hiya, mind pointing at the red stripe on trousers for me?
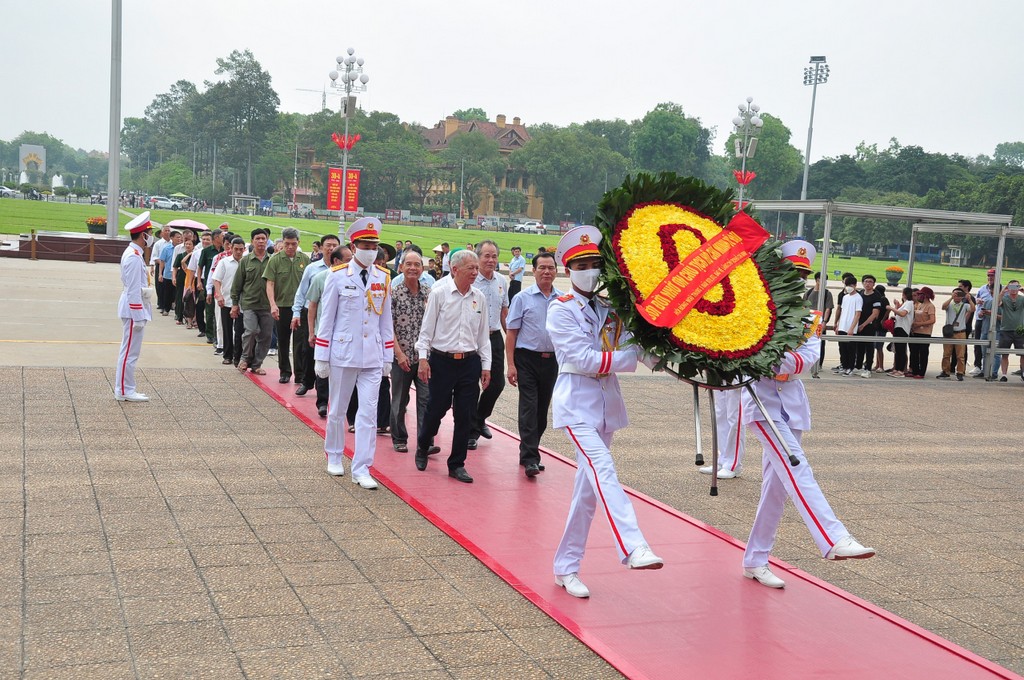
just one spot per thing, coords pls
(739, 434)
(785, 464)
(597, 482)
(124, 364)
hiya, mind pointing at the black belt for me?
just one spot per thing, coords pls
(542, 355)
(458, 356)
(497, 331)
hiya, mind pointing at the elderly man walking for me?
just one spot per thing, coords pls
(249, 295)
(283, 274)
(454, 349)
(408, 303)
(494, 286)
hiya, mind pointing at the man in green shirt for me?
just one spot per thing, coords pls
(283, 274)
(249, 293)
(1011, 322)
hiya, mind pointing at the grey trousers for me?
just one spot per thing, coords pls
(401, 381)
(259, 326)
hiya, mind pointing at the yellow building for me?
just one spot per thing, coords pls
(510, 137)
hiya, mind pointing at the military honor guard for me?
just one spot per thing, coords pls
(590, 345)
(786, 402)
(135, 307)
(354, 346)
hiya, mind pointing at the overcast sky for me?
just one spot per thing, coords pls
(941, 74)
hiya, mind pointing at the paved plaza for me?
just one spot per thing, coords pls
(198, 535)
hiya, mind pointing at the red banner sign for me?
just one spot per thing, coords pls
(334, 189)
(702, 269)
(352, 190)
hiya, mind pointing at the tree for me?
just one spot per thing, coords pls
(511, 202)
(475, 113)
(1010, 153)
(866, 232)
(776, 162)
(617, 132)
(667, 139)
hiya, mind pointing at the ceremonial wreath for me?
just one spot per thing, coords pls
(703, 289)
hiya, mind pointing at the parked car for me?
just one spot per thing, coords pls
(530, 227)
(6, 192)
(164, 203)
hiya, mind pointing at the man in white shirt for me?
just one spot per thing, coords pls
(850, 305)
(222, 278)
(494, 286)
(446, 267)
(516, 268)
(454, 351)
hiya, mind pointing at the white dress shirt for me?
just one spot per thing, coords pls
(455, 323)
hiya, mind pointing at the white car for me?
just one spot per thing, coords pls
(6, 192)
(165, 203)
(531, 227)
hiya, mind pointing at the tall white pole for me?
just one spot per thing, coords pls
(807, 158)
(114, 161)
(295, 178)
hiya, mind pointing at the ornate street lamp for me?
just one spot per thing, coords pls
(350, 71)
(748, 124)
(814, 75)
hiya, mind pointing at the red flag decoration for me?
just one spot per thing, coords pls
(350, 197)
(334, 189)
(744, 177)
(344, 141)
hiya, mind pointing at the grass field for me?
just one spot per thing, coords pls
(19, 216)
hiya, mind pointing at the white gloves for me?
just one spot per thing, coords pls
(386, 371)
(322, 368)
(140, 324)
(649, 360)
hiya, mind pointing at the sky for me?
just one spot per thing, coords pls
(942, 75)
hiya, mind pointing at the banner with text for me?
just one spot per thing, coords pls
(352, 190)
(334, 189)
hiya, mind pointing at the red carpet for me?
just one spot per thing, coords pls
(696, 618)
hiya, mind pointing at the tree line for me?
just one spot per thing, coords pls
(229, 136)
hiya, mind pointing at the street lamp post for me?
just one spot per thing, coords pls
(813, 76)
(462, 185)
(747, 125)
(350, 70)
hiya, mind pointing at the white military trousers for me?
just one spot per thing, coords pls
(782, 480)
(729, 422)
(131, 346)
(367, 382)
(596, 487)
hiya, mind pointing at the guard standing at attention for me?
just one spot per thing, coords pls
(354, 346)
(591, 346)
(135, 307)
(786, 402)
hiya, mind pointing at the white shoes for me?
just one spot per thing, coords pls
(974, 371)
(365, 481)
(134, 396)
(864, 373)
(643, 558)
(849, 549)
(764, 576)
(335, 469)
(722, 472)
(573, 585)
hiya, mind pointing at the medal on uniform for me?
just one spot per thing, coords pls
(376, 290)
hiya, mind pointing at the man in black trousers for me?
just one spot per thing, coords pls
(454, 349)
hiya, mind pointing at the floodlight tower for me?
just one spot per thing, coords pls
(350, 70)
(814, 75)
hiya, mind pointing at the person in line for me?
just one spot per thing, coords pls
(516, 268)
(340, 255)
(355, 347)
(591, 347)
(904, 314)
(958, 313)
(924, 321)
(847, 322)
(532, 366)
(300, 323)
(408, 303)
(135, 307)
(223, 277)
(785, 401)
(249, 295)
(494, 286)
(454, 351)
(283, 274)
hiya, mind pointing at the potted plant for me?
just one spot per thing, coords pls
(893, 275)
(97, 225)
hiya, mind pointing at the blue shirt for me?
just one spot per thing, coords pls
(529, 314)
(167, 257)
(307, 277)
(517, 262)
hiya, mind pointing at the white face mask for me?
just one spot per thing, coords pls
(365, 257)
(585, 279)
(150, 240)
(850, 289)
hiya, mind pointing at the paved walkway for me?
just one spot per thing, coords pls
(198, 536)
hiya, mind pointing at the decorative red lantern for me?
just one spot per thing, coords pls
(345, 142)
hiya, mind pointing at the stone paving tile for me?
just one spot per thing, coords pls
(64, 648)
(198, 665)
(145, 611)
(313, 661)
(168, 640)
(115, 670)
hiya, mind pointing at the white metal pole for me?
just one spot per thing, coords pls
(807, 153)
(114, 161)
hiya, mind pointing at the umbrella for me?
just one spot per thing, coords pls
(187, 224)
(179, 195)
(831, 240)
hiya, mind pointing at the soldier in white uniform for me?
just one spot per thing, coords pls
(135, 307)
(729, 425)
(786, 402)
(590, 345)
(354, 346)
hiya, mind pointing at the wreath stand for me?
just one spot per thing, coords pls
(711, 389)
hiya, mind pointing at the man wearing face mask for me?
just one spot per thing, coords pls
(847, 319)
(591, 345)
(135, 307)
(354, 346)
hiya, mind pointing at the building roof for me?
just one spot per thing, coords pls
(510, 136)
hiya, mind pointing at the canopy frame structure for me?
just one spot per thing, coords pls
(925, 220)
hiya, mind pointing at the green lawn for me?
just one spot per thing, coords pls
(18, 216)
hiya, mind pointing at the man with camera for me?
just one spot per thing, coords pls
(958, 309)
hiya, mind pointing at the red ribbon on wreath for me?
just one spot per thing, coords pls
(344, 141)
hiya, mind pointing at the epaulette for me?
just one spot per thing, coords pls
(339, 267)
(565, 298)
(385, 270)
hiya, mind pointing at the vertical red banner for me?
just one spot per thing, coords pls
(352, 190)
(334, 189)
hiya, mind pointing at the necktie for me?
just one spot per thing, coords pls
(364, 275)
(593, 307)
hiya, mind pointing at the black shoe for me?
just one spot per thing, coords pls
(471, 445)
(960, 377)
(202, 334)
(1002, 378)
(461, 475)
(209, 341)
(421, 460)
(540, 466)
(284, 378)
(301, 390)
(219, 350)
(322, 411)
(431, 450)
(532, 470)
(485, 431)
